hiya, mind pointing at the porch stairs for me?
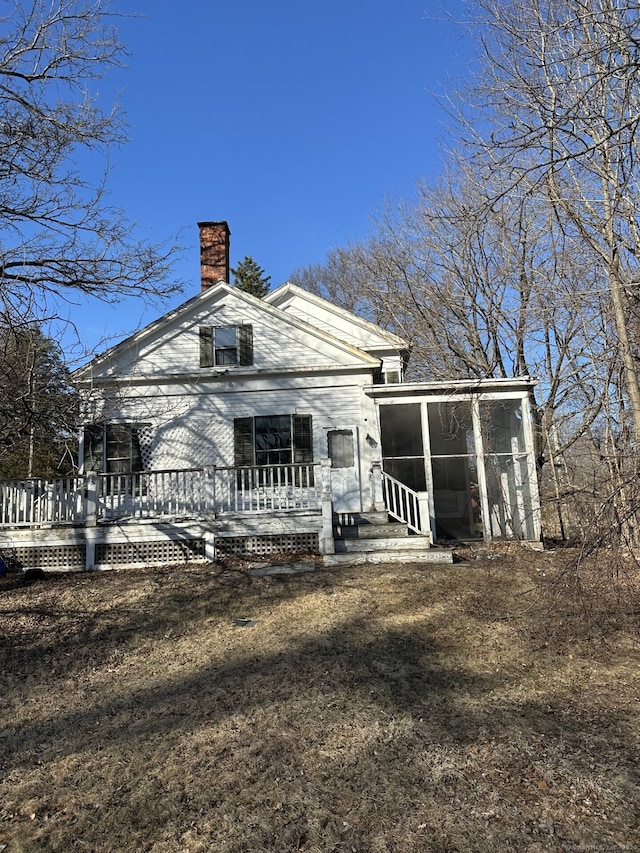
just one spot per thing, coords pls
(370, 537)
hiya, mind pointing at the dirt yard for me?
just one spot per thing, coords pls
(387, 708)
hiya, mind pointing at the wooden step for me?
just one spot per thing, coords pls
(382, 543)
(379, 556)
(371, 531)
(349, 519)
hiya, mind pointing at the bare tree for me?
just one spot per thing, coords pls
(489, 291)
(59, 236)
(557, 113)
(479, 292)
(525, 259)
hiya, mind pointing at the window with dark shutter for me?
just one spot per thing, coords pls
(243, 441)
(270, 441)
(303, 448)
(302, 439)
(114, 449)
(222, 346)
(243, 450)
(94, 447)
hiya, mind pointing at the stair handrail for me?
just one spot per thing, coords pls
(405, 504)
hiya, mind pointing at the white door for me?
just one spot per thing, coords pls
(343, 449)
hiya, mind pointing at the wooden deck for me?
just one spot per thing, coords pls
(175, 516)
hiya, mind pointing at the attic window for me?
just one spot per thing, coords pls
(222, 346)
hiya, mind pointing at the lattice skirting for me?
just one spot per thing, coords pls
(195, 546)
(63, 558)
(164, 552)
(288, 543)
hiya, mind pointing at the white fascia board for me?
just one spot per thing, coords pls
(517, 386)
(304, 387)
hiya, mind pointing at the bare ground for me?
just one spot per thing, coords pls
(381, 708)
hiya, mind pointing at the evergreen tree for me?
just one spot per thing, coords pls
(250, 277)
(38, 406)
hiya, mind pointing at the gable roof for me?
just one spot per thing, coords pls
(323, 314)
(123, 357)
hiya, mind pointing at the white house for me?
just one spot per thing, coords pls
(238, 425)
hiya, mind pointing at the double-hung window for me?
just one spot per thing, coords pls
(222, 346)
(274, 440)
(114, 449)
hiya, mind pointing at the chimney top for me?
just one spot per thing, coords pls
(214, 253)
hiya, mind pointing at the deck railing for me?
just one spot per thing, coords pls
(155, 494)
(36, 501)
(187, 493)
(405, 505)
(267, 488)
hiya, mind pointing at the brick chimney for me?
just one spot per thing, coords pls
(214, 253)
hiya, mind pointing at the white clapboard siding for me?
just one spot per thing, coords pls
(186, 413)
(198, 437)
(274, 349)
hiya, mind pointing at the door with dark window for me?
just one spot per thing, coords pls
(343, 452)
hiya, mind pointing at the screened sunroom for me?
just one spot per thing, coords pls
(470, 448)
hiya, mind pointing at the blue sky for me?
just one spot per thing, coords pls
(293, 121)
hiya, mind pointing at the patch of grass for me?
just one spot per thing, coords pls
(380, 708)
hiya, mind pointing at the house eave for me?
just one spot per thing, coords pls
(134, 341)
(223, 376)
(456, 387)
(289, 290)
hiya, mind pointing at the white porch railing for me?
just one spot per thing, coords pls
(268, 488)
(405, 505)
(155, 494)
(34, 502)
(206, 491)
(188, 493)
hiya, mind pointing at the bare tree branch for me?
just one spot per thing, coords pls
(59, 235)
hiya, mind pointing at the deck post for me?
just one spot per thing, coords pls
(425, 520)
(376, 486)
(91, 516)
(90, 521)
(89, 549)
(210, 496)
(209, 546)
(327, 543)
